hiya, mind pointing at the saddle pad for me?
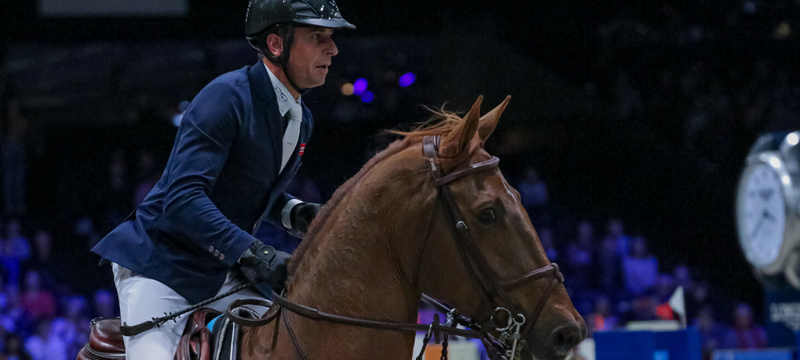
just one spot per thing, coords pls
(212, 322)
(226, 335)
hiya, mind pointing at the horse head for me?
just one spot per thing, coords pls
(506, 247)
(390, 234)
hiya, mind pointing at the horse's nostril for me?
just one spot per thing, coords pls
(567, 337)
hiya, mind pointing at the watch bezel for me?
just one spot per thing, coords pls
(774, 160)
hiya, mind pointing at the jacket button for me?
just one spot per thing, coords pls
(216, 253)
(210, 249)
(222, 256)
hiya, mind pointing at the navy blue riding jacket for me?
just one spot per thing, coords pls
(221, 181)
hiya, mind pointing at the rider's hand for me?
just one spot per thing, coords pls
(303, 214)
(265, 264)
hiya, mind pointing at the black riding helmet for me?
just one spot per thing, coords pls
(265, 17)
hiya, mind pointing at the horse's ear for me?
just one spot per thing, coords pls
(459, 138)
(489, 121)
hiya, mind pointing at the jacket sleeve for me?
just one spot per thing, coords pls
(274, 216)
(201, 148)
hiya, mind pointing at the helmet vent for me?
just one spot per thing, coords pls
(304, 9)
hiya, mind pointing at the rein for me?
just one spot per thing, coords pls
(483, 277)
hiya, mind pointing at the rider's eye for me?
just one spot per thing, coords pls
(487, 215)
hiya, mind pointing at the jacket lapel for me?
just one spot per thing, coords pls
(265, 105)
(295, 159)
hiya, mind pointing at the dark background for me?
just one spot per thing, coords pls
(557, 58)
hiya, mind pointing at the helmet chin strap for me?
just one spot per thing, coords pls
(294, 85)
(283, 59)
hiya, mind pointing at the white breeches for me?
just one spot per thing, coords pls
(141, 299)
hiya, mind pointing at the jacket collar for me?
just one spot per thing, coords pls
(282, 94)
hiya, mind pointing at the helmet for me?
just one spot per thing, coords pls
(265, 17)
(263, 14)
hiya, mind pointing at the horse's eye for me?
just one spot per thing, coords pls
(487, 216)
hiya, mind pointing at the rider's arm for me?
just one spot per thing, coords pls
(279, 215)
(201, 149)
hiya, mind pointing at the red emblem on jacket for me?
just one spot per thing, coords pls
(302, 149)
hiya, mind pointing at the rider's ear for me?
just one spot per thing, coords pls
(458, 139)
(275, 44)
(489, 121)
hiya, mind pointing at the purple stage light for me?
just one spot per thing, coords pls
(407, 79)
(359, 86)
(367, 96)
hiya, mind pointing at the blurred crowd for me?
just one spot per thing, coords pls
(614, 279)
(708, 106)
(611, 275)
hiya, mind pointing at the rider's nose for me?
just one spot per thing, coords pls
(567, 337)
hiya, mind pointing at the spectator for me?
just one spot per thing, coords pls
(616, 235)
(664, 287)
(7, 307)
(663, 290)
(113, 200)
(640, 268)
(711, 333)
(16, 245)
(696, 298)
(85, 231)
(13, 349)
(682, 277)
(745, 334)
(532, 190)
(534, 196)
(602, 316)
(546, 238)
(72, 329)
(46, 344)
(37, 302)
(14, 250)
(609, 262)
(580, 256)
(104, 304)
(42, 260)
(643, 308)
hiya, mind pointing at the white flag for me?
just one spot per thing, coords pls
(678, 305)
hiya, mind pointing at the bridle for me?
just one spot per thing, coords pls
(485, 280)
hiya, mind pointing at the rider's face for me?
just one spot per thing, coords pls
(312, 50)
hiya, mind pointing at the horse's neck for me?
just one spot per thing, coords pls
(358, 269)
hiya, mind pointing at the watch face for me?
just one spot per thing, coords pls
(761, 215)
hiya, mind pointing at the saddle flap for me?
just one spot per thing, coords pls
(195, 344)
(105, 336)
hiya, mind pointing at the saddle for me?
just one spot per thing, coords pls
(197, 342)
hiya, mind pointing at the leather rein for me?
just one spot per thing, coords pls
(486, 281)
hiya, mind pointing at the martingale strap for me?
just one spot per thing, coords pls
(316, 314)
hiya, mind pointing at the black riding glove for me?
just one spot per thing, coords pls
(262, 263)
(303, 214)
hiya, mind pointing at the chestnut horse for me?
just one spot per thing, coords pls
(385, 238)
